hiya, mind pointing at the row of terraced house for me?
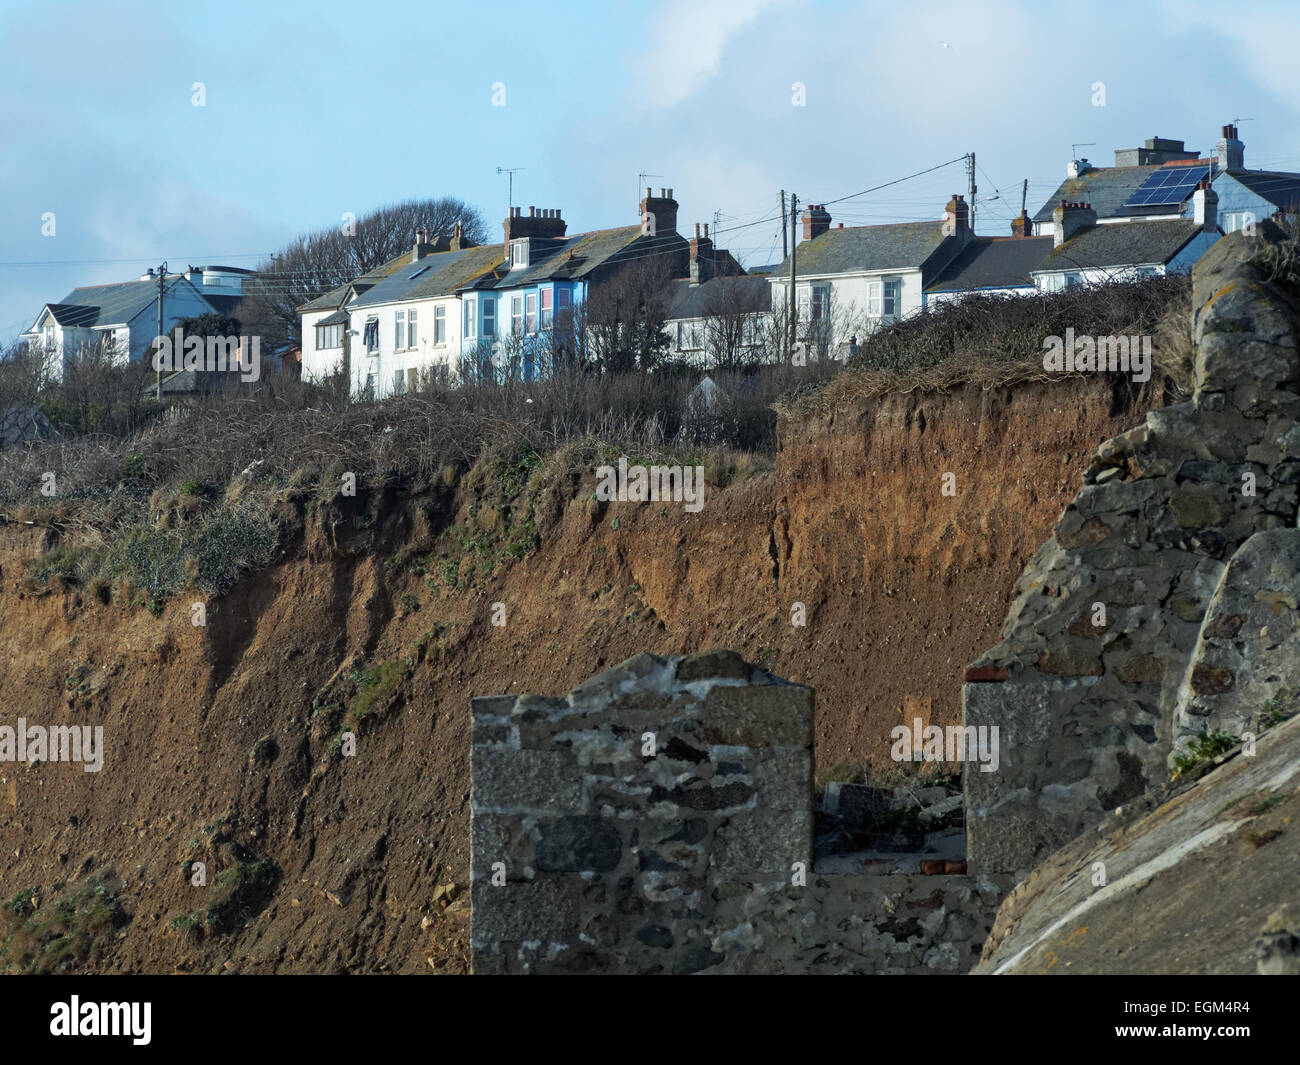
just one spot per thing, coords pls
(456, 309)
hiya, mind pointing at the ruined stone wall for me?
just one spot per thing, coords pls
(659, 820)
(1094, 684)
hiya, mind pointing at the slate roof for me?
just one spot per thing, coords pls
(102, 305)
(1103, 188)
(993, 262)
(333, 299)
(1121, 244)
(576, 257)
(1281, 189)
(72, 314)
(721, 295)
(890, 247)
(439, 274)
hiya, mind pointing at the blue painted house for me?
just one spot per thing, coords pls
(521, 318)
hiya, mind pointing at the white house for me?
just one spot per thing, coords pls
(1086, 252)
(411, 321)
(718, 313)
(120, 318)
(853, 281)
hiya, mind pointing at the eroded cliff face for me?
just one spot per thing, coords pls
(220, 741)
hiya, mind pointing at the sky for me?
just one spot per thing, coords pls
(314, 110)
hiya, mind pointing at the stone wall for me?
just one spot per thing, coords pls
(659, 819)
(1093, 686)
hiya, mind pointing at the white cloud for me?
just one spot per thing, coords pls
(687, 43)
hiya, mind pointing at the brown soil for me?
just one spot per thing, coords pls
(902, 586)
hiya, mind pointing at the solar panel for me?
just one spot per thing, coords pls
(1169, 185)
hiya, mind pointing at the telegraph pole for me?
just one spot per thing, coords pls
(970, 168)
(785, 244)
(793, 307)
(162, 287)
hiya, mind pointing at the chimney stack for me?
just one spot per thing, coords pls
(663, 208)
(1022, 225)
(1205, 207)
(702, 264)
(1232, 152)
(957, 213)
(544, 224)
(1068, 219)
(816, 221)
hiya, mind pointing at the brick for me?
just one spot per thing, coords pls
(985, 674)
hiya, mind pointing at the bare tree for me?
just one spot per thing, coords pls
(732, 328)
(627, 315)
(317, 262)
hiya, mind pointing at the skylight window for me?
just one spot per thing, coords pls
(412, 277)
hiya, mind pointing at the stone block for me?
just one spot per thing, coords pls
(525, 780)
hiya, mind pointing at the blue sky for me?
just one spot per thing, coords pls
(316, 109)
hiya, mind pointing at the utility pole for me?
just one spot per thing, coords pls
(162, 288)
(785, 244)
(793, 307)
(970, 173)
(1024, 195)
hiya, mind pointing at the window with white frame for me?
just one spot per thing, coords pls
(399, 382)
(329, 336)
(372, 382)
(803, 301)
(399, 331)
(440, 325)
(471, 319)
(1235, 220)
(489, 317)
(548, 315)
(518, 253)
(821, 302)
(412, 334)
(530, 314)
(873, 299)
(516, 314)
(372, 336)
(563, 300)
(891, 298)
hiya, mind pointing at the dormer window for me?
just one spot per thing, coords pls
(518, 253)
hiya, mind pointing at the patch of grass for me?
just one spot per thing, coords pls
(65, 933)
(374, 686)
(1202, 751)
(230, 545)
(241, 892)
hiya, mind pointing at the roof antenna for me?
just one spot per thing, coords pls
(512, 171)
